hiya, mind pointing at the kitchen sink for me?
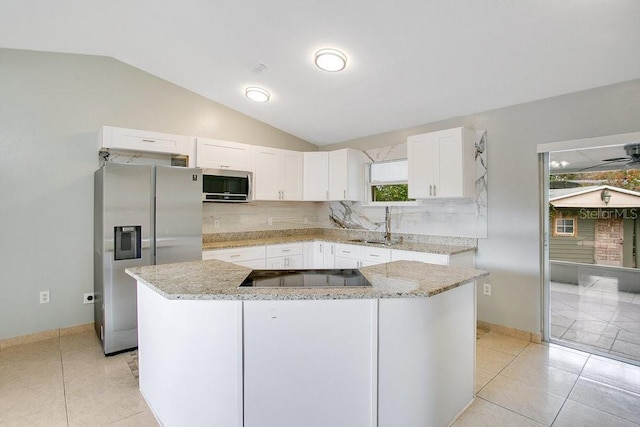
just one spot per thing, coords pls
(375, 242)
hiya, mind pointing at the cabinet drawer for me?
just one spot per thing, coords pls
(284, 250)
(376, 255)
(347, 251)
(236, 254)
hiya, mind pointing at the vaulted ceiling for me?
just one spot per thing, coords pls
(410, 62)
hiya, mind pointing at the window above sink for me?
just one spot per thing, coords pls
(387, 184)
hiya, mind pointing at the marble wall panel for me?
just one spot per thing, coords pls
(451, 217)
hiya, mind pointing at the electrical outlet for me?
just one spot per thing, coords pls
(88, 298)
(45, 297)
(270, 221)
(487, 289)
(216, 223)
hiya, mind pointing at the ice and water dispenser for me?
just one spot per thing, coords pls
(128, 242)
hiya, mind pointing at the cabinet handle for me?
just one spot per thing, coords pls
(327, 195)
(430, 190)
(320, 247)
(374, 255)
(345, 194)
(148, 140)
(234, 256)
(331, 249)
(286, 250)
(286, 262)
(224, 166)
(434, 190)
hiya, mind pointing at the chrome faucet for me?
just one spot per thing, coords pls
(387, 224)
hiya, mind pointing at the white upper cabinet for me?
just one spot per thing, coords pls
(316, 176)
(442, 164)
(217, 154)
(142, 140)
(278, 174)
(333, 175)
(346, 174)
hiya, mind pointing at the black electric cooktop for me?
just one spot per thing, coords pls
(334, 278)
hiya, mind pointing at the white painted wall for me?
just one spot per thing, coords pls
(51, 107)
(511, 252)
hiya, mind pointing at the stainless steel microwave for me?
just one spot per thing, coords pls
(220, 185)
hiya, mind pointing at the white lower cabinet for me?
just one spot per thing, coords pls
(354, 256)
(310, 363)
(426, 357)
(320, 254)
(463, 259)
(190, 357)
(285, 256)
(323, 255)
(249, 256)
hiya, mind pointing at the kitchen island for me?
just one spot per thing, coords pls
(401, 352)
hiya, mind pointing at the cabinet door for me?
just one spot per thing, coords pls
(423, 165)
(216, 154)
(328, 255)
(316, 176)
(343, 262)
(338, 175)
(285, 262)
(291, 178)
(266, 176)
(441, 164)
(310, 363)
(142, 140)
(457, 163)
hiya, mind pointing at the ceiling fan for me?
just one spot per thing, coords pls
(633, 159)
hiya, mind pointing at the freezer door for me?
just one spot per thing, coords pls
(123, 218)
(178, 213)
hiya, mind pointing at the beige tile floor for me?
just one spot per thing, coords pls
(595, 315)
(67, 381)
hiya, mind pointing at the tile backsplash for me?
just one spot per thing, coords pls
(258, 216)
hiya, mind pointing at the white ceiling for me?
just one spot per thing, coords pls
(411, 62)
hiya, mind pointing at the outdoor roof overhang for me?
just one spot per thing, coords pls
(591, 197)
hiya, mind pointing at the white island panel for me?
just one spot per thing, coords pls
(310, 363)
(426, 358)
(190, 358)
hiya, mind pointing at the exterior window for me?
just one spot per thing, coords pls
(565, 227)
(388, 182)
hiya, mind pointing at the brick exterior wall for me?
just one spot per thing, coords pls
(608, 242)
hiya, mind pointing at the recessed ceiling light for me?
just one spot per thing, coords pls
(331, 60)
(257, 94)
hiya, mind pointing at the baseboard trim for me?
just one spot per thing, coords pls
(45, 335)
(511, 332)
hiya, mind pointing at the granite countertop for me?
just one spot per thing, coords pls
(219, 280)
(433, 248)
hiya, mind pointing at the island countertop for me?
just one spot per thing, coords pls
(219, 280)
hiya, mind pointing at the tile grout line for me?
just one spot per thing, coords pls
(64, 386)
(505, 366)
(510, 410)
(571, 391)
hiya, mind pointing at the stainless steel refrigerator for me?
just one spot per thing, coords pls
(144, 215)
